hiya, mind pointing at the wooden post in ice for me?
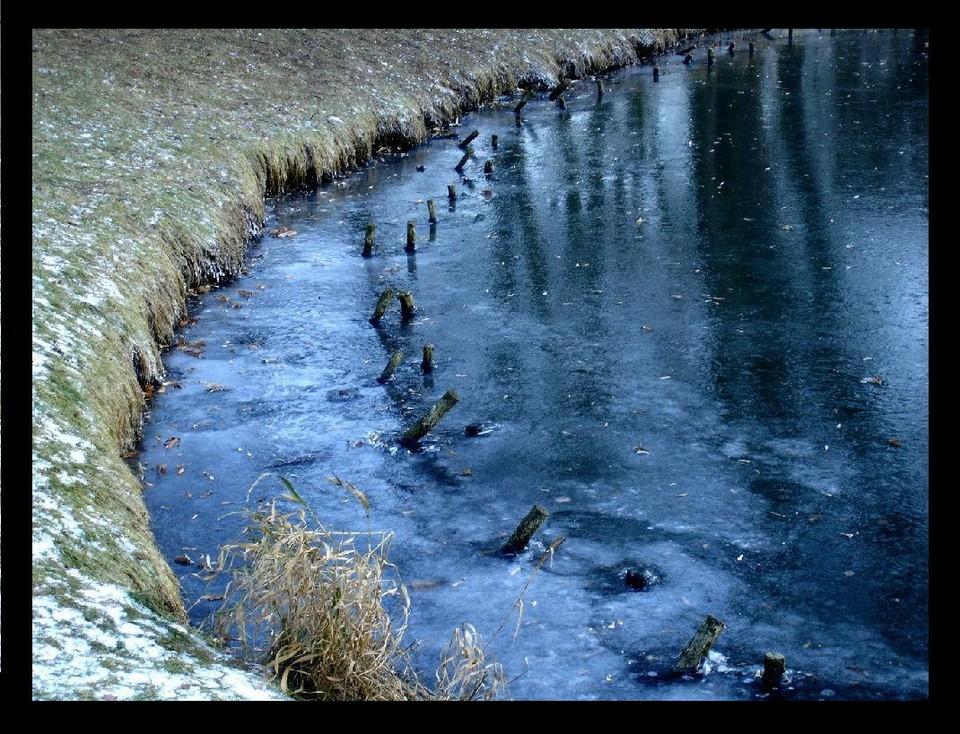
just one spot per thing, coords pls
(599, 88)
(693, 655)
(368, 240)
(751, 49)
(494, 141)
(464, 159)
(430, 419)
(527, 96)
(407, 307)
(467, 140)
(395, 359)
(451, 192)
(709, 57)
(431, 212)
(411, 236)
(525, 530)
(427, 364)
(559, 89)
(382, 305)
(656, 73)
(488, 167)
(774, 666)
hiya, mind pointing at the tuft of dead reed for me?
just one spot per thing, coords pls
(325, 613)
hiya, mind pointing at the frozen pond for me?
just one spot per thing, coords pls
(688, 318)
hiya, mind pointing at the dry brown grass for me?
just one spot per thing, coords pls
(326, 614)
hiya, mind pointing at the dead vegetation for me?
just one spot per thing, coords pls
(325, 613)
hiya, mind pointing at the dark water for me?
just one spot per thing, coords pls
(691, 316)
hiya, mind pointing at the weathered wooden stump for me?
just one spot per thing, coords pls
(525, 530)
(451, 192)
(527, 96)
(693, 655)
(774, 666)
(395, 359)
(751, 49)
(559, 89)
(431, 212)
(710, 58)
(656, 73)
(430, 419)
(488, 167)
(731, 47)
(368, 240)
(687, 59)
(494, 141)
(382, 304)
(411, 236)
(464, 159)
(427, 363)
(467, 140)
(407, 307)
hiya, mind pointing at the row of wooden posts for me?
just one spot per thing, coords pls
(695, 653)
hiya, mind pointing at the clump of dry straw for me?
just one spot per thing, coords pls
(326, 617)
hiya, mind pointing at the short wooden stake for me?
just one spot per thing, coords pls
(774, 666)
(494, 141)
(464, 159)
(731, 48)
(368, 240)
(527, 96)
(407, 308)
(751, 49)
(411, 236)
(599, 87)
(693, 655)
(525, 530)
(488, 167)
(656, 73)
(451, 192)
(430, 419)
(395, 359)
(382, 305)
(559, 89)
(467, 140)
(431, 212)
(710, 58)
(427, 364)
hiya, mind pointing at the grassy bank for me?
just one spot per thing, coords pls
(153, 151)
